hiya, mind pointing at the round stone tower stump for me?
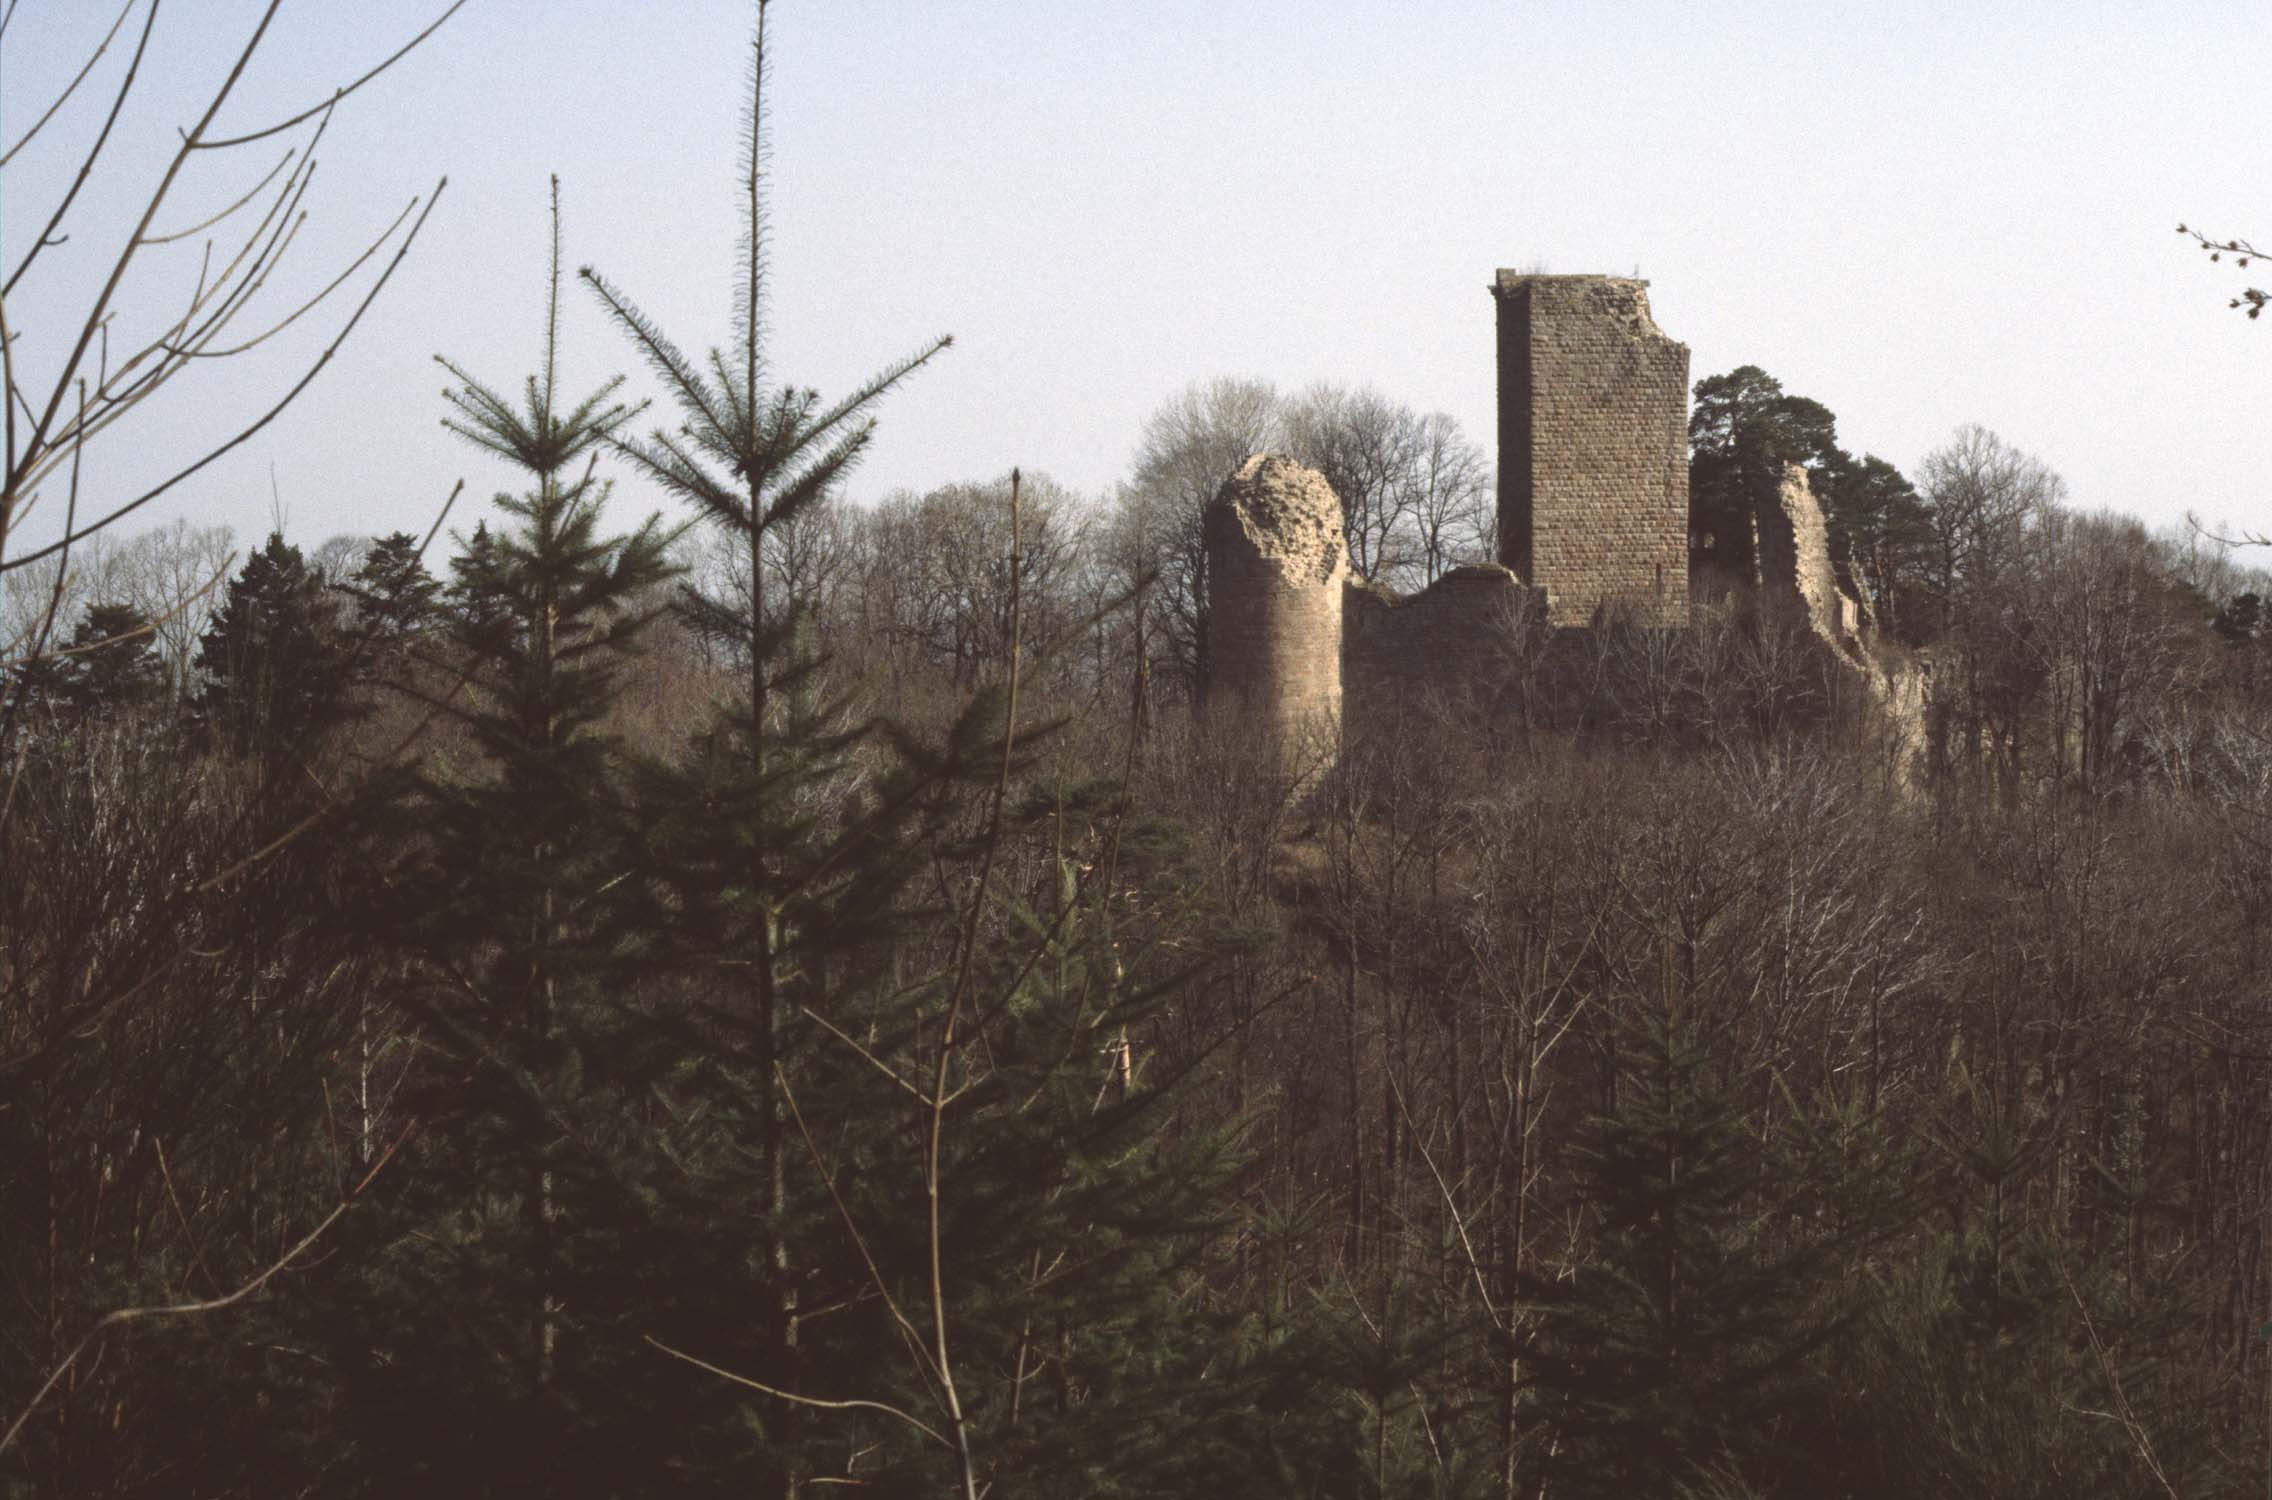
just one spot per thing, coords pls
(1276, 563)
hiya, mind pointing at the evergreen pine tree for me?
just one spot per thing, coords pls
(962, 1199)
(751, 457)
(271, 659)
(110, 664)
(1076, 1228)
(508, 913)
(396, 599)
(114, 662)
(474, 601)
(1677, 1346)
(2001, 1358)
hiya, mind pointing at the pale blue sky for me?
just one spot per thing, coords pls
(1921, 215)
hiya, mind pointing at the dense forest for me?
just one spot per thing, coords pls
(798, 994)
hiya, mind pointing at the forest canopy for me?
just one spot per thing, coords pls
(789, 994)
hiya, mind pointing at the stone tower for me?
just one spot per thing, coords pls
(1593, 448)
(1276, 564)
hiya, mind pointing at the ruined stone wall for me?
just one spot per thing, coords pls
(1795, 564)
(1594, 517)
(1276, 564)
(1448, 644)
(1593, 447)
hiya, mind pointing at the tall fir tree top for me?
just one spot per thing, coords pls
(747, 456)
(533, 597)
(536, 435)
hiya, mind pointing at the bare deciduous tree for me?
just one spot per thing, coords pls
(1980, 494)
(936, 581)
(71, 383)
(119, 971)
(1189, 446)
(1369, 449)
(1454, 502)
(173, 575)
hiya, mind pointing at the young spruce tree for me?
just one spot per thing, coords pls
(972, 1244)
(751, 456)
(1722, 1234)
(508, 916)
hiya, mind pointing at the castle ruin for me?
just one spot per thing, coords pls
(1278, 566)
(1593, 448)
(1595, 526)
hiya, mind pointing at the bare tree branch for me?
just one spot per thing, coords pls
(821, 1402)
(70, 88)
(337, 94)
(125, 1315)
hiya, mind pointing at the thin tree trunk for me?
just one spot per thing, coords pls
(764, 979)
(1517, 1197)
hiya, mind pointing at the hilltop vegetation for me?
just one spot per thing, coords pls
(792, 994)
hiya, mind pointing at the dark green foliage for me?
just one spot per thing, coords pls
(396, 599)
(108, 666)
(528, 1188)
(1880, 521)
(1076, 1228)
(2241, 619)
(752, 457)
(272, 659)
(114, 662)
(1745, 418)
(1742, 431)
(1683, 1340)
(1357, 1392)
(2008, 1372)
(872, 1045)
(473, 600)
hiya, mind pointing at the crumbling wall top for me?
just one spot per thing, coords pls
(1287, 514)
(1450, 643)
(1276, 567)
(1624, 298)
(1593, 448)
